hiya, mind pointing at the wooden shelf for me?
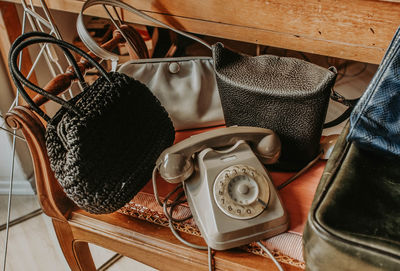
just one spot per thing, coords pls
(357, 30)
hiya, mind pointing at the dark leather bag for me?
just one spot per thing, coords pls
(103, 143)
(354, 221)
(287, 95)
(375, 122)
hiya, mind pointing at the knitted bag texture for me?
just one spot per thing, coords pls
(103, 143)
(105, 156)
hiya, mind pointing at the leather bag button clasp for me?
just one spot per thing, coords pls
(174, 67)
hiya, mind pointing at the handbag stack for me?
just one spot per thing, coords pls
(102, 169)
(287, 95)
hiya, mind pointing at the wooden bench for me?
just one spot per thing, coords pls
(123, 231)
(143, 241)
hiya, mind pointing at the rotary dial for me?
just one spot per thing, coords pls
(241, 192)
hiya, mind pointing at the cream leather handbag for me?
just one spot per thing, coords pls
(185, 86)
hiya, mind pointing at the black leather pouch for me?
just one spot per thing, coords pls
(354, 221)
(287, 95)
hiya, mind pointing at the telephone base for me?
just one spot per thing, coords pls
(226, 218)
(231, 243)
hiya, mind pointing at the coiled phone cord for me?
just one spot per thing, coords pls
(174, 203)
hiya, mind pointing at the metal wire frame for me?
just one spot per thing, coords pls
(37, 23)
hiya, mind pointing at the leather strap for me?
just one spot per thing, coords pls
(350, 103)
(100, 52)
(130, 34)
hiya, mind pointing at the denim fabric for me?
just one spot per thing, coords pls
(375, 121)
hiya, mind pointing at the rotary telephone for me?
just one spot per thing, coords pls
(230, 194)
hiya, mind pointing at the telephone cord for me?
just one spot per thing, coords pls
(169, 215)
(155, 186)
(171, 219)
(172, 207)
(176, 234)
(209, 256)
(270, 255)
(211, 262)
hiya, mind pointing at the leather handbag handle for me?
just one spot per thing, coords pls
(130, 34)
(100, 52)
(38, 37)
(350, 103)
(134, 38)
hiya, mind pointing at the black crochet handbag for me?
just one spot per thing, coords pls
(103, 143)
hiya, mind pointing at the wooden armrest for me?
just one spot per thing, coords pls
(52, 198)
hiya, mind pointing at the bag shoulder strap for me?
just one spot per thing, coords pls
(350, 103)
(100, 52)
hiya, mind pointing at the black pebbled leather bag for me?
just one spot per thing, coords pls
(102, 144)
(287, 95)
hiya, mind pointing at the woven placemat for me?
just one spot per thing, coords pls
(286, 247)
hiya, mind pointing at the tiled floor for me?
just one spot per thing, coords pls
(33, 245)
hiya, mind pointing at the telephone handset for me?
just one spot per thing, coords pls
(230, 194)
(175, 164)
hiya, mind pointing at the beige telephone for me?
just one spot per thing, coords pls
(229, 192)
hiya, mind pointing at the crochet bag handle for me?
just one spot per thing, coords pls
(38, 37)
(100, 52)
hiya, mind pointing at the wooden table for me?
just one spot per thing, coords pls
(357, 29)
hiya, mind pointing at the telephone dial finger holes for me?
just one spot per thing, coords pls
(241, 192)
